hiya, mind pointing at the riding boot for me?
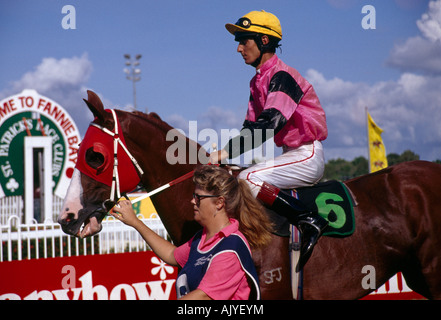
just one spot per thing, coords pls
(310, 224)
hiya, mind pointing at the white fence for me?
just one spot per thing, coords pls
(14, 206)
(43, 240)
(10, 206)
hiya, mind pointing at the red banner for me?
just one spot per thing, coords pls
(394, 289)
(122, 276)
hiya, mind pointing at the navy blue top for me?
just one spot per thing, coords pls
(198, 263)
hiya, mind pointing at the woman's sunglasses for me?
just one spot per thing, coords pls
(198, 197)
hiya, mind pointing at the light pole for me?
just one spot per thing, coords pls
(133, 73)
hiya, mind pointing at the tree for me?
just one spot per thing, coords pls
(407, 155)
(360, 166)
(337, 169)
(341, 169)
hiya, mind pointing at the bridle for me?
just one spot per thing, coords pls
(115, 191)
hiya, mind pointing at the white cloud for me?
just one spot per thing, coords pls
(52, 74)
(220, 118)
(178, 121)
(417, 55)
(63, 80)
(421, 53)
(430, 22)
(408, 110)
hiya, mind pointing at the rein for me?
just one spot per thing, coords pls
(171, 183)
(165, 186)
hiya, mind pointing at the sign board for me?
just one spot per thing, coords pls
(31, 114)
(120, 276)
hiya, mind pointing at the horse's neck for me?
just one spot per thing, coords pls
(148, 141)
(157, 156)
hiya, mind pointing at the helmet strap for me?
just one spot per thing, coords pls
(257, 37)
(258, 60)
(259, 43)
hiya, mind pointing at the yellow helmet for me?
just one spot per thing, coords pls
(258, 22)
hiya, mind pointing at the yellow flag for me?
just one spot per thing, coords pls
(377, 151)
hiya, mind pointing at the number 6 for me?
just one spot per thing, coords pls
(325, 208)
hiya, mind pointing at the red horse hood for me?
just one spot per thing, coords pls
(103, 143)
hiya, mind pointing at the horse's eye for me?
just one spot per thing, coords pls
(94, 159)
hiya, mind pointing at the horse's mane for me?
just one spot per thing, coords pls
(154, 118)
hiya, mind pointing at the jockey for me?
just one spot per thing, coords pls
(283, 103)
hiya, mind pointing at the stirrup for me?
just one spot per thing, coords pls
(309, 245)
(305, 255)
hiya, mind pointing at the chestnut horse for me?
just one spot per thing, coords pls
(398, 217)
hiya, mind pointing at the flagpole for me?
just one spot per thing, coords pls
(367, 136)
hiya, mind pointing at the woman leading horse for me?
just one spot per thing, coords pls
(216, 263)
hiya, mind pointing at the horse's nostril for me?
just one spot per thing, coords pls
(70, 217)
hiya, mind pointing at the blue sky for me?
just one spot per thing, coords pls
(192, 72)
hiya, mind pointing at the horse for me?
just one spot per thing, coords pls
(397, 215)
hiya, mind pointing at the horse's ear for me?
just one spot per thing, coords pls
(95, 105)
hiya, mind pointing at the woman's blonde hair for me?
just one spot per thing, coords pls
(240, 204)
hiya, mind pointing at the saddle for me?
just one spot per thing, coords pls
(331, 199)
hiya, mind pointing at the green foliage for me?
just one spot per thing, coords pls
(340, 169)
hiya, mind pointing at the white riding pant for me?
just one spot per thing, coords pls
(299, 167)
